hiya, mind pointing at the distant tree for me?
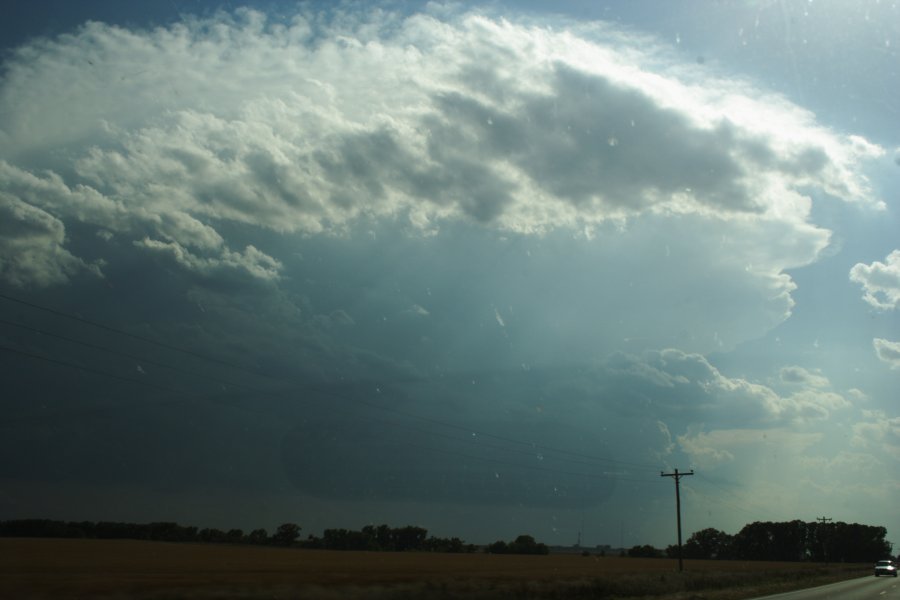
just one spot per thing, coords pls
(39, 528)
(234, 536)
(858, 543)
(408, 538)
(286, 534)
(524, 544)
(258, 536)
(645, 551)
(212, 535)
(782, 541)
(819, 540)
(347, 539)
(708, 544)
(169, 532)
(451, 545)
(383, 537)
(790, 540)
(796, 541)
(754, 542)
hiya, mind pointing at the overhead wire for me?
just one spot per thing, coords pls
(86, 369)
(534, 445)
(717, 498)
(122, 332)
(140, 359)
(567, 455)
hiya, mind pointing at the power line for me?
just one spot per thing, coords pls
(529, 453)
(89, 370)
(135, 336)
(733, 504)
(427, 448)
(508, 463)
(301, 386)
(500, 437)
(141, 359)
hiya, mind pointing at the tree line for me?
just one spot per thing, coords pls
(381, 538)
(791, 541)
(775, 541)
(372, 538)
(158, 531)
(524, 544)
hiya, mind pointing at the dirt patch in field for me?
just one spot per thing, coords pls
(50, 568)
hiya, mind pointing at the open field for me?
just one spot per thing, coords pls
(65, 568)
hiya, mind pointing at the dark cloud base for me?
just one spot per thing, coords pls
(370, 460)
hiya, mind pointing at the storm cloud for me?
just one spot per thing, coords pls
(436, 258)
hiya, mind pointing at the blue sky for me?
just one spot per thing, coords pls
(484, 268)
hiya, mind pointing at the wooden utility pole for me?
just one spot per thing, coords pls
(824, 520)
(678, 477)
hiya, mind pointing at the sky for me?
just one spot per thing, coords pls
(484, 268)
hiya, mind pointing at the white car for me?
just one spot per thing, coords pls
(885, 567)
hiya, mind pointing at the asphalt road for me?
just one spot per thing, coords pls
(864, 588)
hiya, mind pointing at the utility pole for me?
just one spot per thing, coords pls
(824, 520)
(677, 476)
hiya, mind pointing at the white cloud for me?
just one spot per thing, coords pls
(309, 125)
(799, 376)
(705, 449)
(251, 261)
(687, 387)
(810, 404)
(667, 446)
(880, 434)
(32, 249)
(888, 352)
(880, 281)
(747, 398)
(714, 448)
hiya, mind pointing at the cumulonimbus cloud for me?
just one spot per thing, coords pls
(309, 124)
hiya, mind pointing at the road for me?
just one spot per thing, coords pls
(864, 588)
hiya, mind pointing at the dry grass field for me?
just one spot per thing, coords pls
(119, 569)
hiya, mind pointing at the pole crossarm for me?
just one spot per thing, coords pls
(677, 476)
